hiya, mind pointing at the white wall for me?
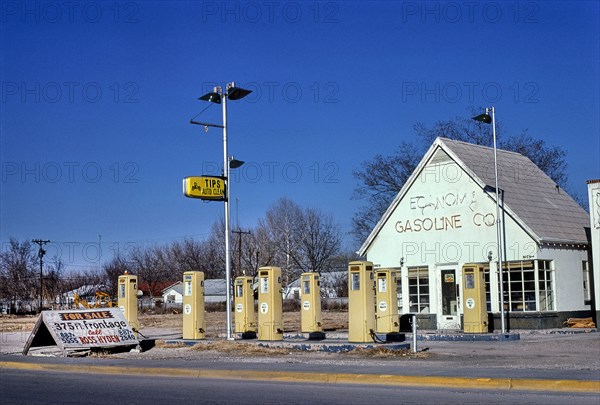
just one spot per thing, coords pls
(568, 277)
(444, 197)
(594, 198)
(463, 230)
(178, 296)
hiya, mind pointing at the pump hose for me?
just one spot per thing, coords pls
(374, 337)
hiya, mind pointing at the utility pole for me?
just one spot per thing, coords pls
(41, 253)
(240, 233)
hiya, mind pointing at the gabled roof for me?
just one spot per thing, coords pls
(546, 212)
(157, 287)
(211, 287)
(327, 278)
(177, 287)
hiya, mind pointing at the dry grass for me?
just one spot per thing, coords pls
(161, 344)
(215, 322)
(384, 352)
(14, 323)
(230, 347)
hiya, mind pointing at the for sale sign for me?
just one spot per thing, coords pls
(82, 329)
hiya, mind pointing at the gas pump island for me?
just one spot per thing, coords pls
(475, 311)
(194, 324)
(245, 318)
(270, 302)
(386, 301)
(361, 302)
(310, 300)
(127, 300)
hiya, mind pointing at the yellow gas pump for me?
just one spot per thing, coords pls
(127, 299)
(194, 324)
(310, 299)
(474, 306)
(245, 318)
(361, 302)
(386, 301)
(270, 302)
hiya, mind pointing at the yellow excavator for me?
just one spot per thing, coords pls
(102, 300)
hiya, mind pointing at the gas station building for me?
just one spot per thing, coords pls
(445, 217)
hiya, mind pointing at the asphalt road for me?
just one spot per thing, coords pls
(44, 387)
(540, 368)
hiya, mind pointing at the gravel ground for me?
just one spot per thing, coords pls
(562, 349)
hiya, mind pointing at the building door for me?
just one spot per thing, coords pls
(448, 317)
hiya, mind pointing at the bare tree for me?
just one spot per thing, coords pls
(53, 280)
(281, 226)
(150, 265)
(111, 272)
(298, 240)
(18, 279)
(320, 240)
(191, 255)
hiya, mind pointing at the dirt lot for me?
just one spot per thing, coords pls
(215, 322)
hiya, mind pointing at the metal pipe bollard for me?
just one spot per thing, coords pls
(414, 331)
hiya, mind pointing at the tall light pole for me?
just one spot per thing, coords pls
(485, 118)
(219, 96)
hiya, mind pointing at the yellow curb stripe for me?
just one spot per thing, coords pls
(507, 384)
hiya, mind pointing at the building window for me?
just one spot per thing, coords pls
(486, 277)
(399, 292)
(519, 287)
(418, 289)
(545, 286)
(586, 282)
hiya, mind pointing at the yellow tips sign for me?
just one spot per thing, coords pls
(205, 188)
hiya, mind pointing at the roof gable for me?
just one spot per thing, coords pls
(544, 211)
(539, 203)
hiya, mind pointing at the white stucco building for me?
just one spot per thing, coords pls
(445, 217)
(594, 276)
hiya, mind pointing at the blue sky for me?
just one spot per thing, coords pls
(97, 98)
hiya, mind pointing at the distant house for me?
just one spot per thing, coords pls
(331, 282)
(214, 291)
(173, 294)
(85, 293)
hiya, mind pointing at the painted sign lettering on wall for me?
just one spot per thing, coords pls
(439, 202)
(429, 224)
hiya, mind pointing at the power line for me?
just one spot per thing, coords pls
(41, 253)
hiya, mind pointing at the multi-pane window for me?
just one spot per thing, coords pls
(545, 286)
(521, 286)
(486, 276)
(418, 289)
(520, 290)
(586, 281)
(399, 292)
